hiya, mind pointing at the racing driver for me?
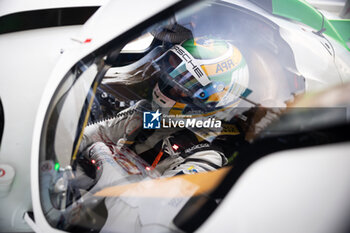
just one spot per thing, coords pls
(198, 79)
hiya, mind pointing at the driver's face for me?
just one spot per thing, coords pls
(177, 92)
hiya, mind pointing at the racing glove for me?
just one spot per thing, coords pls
(126, 124)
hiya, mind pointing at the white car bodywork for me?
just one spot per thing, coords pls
(280, 194)
(10, 7)
(331, 8)
(29, 57)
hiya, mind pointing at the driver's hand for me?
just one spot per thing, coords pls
(258, 119)
(126, 124)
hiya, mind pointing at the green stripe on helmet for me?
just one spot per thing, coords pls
(205, 48)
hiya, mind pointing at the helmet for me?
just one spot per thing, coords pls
(200, 77)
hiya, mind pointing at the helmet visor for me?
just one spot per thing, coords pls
(175, 81)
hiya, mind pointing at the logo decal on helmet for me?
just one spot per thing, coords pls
(191, 65)
(229, 64)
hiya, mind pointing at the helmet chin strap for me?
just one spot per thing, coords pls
(160, 101)
(155, 107)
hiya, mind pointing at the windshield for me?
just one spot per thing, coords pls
(151, 140)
